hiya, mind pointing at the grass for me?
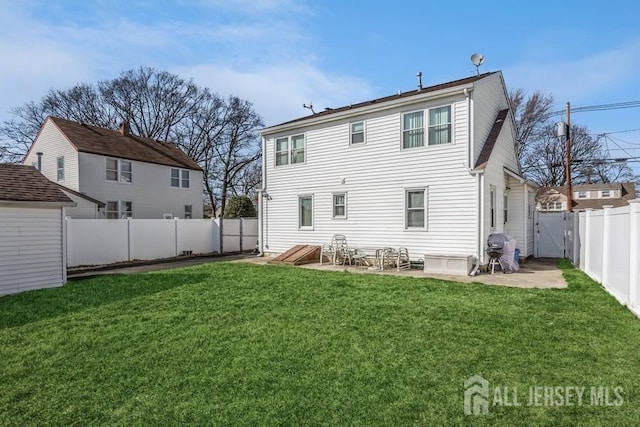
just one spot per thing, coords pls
(241, 344)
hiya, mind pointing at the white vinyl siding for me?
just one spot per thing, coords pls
(31, 249)
(150, 190)
(53, 145)
(374, 177)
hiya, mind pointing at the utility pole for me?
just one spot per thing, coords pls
(568, 159)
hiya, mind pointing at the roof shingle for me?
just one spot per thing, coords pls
(107, 142)
(20, 183)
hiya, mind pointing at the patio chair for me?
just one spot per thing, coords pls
(387, 257)
(403, 259)
(341, 254)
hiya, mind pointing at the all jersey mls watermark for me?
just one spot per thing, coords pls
(479, 396)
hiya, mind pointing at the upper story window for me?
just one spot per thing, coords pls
(439, 127)
(413, 129)
(582, 194)
(605, 194)
(357, 133)
(119, 170)
(180, 178)
(290, 150)
(60, 168)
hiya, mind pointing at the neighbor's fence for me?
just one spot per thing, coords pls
(106, 241)
(608, 250)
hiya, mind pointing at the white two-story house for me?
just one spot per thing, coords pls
(433, 169)
(133, 176)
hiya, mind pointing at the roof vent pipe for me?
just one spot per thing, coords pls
(419, 80)
(39, 154)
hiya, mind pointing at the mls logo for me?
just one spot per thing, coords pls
(476, 396)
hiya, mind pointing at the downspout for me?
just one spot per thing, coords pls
(470, 145)
(525, 217)
(481, 216)
(261, 205)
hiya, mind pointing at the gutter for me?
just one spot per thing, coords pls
(414, 99)
(262, 195)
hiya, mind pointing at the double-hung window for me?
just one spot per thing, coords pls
(440, 125)
(188, 211)
(119, 170)
(179, 178)
(413, 129)
(305, 211)
(290, 150)
(357, 133)
(119, 209)
(605, 194)
(415, 209)
(340, 205)
(60, 168)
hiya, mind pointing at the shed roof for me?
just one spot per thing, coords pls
(124, 145)
(21, 183)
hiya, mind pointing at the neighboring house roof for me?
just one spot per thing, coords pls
(122, 144)
(487, 148)
(82, 195)
(399, 95)
(627, 189)
(21, 183)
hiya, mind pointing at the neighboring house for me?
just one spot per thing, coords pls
(133, 176)
(594, 196)
(32, 247)
(433, 169)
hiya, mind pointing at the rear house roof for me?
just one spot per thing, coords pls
(21, 183)
(122, 144)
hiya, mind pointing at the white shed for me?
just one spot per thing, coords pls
(32, 246)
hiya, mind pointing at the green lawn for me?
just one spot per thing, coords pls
(242, 344)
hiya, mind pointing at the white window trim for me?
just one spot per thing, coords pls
(120, 211)
(333, 205)
(492, 208)
(364, 133)
(60, 169)
(425, 128)
(425, 208)
(190, 213)
(180, 172)
(298, 207)
(289, 150)
(608, 196)
(118, 170)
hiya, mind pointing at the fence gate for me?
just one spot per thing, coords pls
(550, 235)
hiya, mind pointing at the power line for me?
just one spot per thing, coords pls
(600, 107)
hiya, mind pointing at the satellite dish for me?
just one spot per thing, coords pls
(477, 59)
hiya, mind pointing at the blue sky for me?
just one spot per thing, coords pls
(280, 54)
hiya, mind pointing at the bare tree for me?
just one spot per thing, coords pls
(220, 134)
(531, 116)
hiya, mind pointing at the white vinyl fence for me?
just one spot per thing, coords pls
(106, 241)
(608, 250)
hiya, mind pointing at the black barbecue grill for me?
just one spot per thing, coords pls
(495, 250)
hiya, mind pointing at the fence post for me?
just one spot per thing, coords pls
(576, 238)
(175, 234)
(606, 244)
(240, 231)
(634, 255)
(587, 241)
(128, 238)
